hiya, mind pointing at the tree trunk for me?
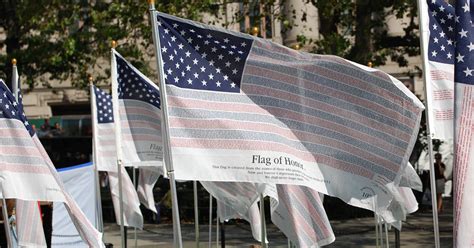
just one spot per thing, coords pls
(363, 47)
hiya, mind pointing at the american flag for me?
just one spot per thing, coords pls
(246, 109)
(26, 175)
(28, 171)
(464, 124)
(439, 18)
(140, 114)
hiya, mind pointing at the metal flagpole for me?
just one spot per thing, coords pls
(196, 213)
(217, 229)
(386, 234)
(15, 79)
(6, 221)
(135, 186)
(380, 230)
(165, 127)
(263, 223)
(118, 140)
(99, 220)
(210, 220)
(428, 131)
(376, 225)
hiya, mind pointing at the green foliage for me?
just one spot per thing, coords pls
(67, 40)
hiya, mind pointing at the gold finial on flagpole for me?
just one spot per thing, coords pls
(150, 2)
(13, 61)
(91, 80)
(369, 64)
(114, 44)
(255, 30)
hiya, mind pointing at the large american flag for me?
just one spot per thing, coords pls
(246, 109)
(464, 124)
(439, 20)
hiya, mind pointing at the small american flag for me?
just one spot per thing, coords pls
(246, 109)
(440, 55)
(464, 123)
(140, 114)
(27, 169)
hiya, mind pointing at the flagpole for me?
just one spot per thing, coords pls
(14, 79)
(135, 187)
(165, 127)
(99, 220)
(118, 141)
(196, 213)
(263, 223)
(217, 229)
(428, 131)
(210, 220)
(6, 221)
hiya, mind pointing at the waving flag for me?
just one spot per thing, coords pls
(464, 143)
(246, 109)
(25, 175)
(438, 18)
(104, 145)
(27, 171)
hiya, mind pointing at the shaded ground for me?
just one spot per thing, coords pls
(417, 231)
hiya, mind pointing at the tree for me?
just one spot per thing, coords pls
(67, 40)
(356, 30)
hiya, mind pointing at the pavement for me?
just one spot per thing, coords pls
(417, 231)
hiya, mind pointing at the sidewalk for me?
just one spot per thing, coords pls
(417, 231)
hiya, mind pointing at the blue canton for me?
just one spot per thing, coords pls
(10, 109)
(103, 104)
(133, 86)
(200, 58)
(464, 64)
(442, 31)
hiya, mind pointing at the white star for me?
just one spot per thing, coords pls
(466, 7)
(232, 85)
(173, 38)
(204, 83)
(195, 61)
(190, 81)
(220, 56)
(183, 32)
(456, 18)
(171, 57)
(234, 71)
(204, 55)
(450, 42)
(463, 33)
(470, 46)
(211, 63)
(460, 58)
(227, 64)
(218, 83)
(450, 29)
(435, 27)
(164, 49)
(226, 40)
(434, 13)
(203, 69)
(449, 55)
(206, 42)
(169, 72)
(226, 77)
(450, 16)
(243, 44)
(434, 53)
(177, 66)
(213, 49)
(442, 20)
(468, 71)
(180, 46)
(187, 53)
(209, 36)
(176, 79)
(188, 68)
(237, 59)
(231, 52)
(166, 30)
(441, 8)
(197, 47)
(435, 40)
(442, 48)
(211, 76)
(196, 75)
(441, 34)
(190, 40)
(218, 70)
(175, 25)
